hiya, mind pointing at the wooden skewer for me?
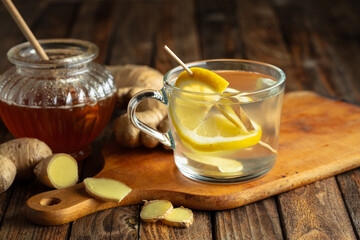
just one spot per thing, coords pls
(25, 29)
(178, 60)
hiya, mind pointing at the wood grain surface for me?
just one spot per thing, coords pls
(316, 43)
(326, 203)
(257, 218)
(309, 122)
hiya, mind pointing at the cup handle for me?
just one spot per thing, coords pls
(165, 138)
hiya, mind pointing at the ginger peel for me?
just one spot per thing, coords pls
(131, 79)
(57, 171)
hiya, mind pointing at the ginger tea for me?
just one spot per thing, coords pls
(223, 129)
(234, 152)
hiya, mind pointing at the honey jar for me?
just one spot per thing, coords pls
(65, 101)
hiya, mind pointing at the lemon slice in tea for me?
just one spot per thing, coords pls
(217, 133)
(199, 123)
(190, 109)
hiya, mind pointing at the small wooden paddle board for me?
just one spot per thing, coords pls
(319, 138)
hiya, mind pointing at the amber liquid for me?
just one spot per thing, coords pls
(64, 129)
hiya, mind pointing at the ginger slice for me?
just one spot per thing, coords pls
(57, 171)
(106, 189)
(179, 217)
(224, 165)
(236, 115)
(244, 119)
(155, 210)
(234, 112)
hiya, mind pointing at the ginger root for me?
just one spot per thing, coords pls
(179, 217)
(25, 153)
(7, 173)
(155, 210)
(131, 79)
(128, 135)
(18, 158)
(57, 171)
(106, 189)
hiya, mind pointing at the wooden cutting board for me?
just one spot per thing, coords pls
(319, 138)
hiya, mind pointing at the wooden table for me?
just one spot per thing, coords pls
(316, 43)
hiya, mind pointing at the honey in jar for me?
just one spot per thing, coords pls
(65, 101)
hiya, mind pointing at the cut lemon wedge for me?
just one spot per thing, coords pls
(205, 125)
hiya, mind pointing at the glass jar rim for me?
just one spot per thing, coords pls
(24, 54)
(178, 69)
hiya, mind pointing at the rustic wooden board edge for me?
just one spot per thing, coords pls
(80, 204)
(304, 178)
(236, 199)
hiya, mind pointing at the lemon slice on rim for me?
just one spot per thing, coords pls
(202, 80)
(198, 121)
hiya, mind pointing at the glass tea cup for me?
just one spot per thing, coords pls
(221, 137)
